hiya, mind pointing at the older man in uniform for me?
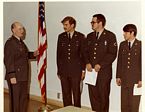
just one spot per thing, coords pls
(70, 63)
(101, 52)
(129, 69)
(16, 57)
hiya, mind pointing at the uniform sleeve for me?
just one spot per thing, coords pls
(140, 75)
(31, 55)
(86, 53)
(119, 63)
(83, 52)
(111, 52)
(9, 59)
(58, 56)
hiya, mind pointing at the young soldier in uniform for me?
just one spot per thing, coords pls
(101, 52)
(129, 69)
(70, 64)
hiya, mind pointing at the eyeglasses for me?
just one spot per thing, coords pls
(93, 22)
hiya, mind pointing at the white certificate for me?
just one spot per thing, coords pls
(136, 90)
(91, 77)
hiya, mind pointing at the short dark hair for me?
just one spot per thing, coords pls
(70, 19)
(100, 18)
(130, 28)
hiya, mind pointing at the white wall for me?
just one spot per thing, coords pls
(117, 14)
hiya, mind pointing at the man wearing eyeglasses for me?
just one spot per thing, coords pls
(101, 51)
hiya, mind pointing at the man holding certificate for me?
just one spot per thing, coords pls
(128, 74)
(101, 51)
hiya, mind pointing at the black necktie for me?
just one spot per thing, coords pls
(97, 35)
(69, 36)
(21, 40)
(129, 45)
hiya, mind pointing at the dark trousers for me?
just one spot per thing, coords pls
(129, 102)
(71, 90)
(18, 95)
(99, 95)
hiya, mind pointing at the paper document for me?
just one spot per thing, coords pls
(91, 77)
(136, 90)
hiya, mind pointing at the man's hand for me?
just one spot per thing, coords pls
(139, 84)
(36, 53)
(89, 67)
(97, 67)
(13, 80)
(118, 81)
(83, 75)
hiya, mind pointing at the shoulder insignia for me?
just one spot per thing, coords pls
(135, 43)
(104, 33)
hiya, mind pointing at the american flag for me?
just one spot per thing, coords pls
(42, 47)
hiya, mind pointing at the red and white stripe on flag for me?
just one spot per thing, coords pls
(42, 47)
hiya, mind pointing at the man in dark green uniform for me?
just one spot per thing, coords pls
(16, 57)
(101, 52)
(129, 69)
(70, 63)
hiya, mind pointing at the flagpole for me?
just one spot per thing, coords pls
(45, 107)
(45, 88)
(46, 64)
